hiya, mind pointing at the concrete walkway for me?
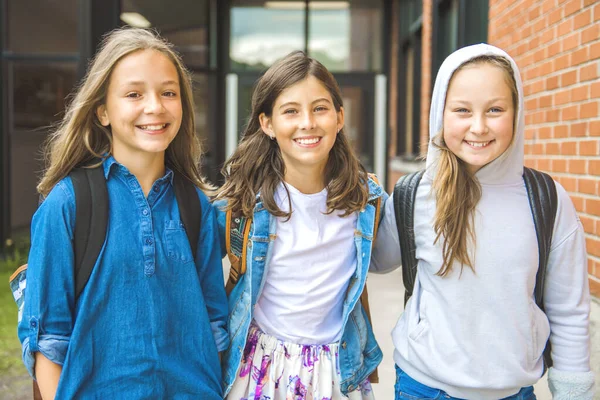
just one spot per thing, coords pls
(386, 294)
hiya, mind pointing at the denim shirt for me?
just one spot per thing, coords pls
(359, 352)
(151, 319)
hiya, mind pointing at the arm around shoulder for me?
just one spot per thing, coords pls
(386, 255)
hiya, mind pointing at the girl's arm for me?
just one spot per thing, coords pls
(46, 324)
(386, 250)
(567, 305)
(48, 375)
(210, 271)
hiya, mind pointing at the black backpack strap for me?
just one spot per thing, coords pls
(91, 219)
(189, 209)
(543, 200)
(405, 193)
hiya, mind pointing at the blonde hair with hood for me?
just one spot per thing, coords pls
(457, 191)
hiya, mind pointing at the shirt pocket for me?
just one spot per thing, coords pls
(177, 243)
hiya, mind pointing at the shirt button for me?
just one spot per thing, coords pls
(344, 345)
(350, 388)
(33, 324)
(149, 241)
(156, 188)
(145, 212)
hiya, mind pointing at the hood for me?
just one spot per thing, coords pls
(508, 168)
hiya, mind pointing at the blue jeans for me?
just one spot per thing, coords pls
(406, 388)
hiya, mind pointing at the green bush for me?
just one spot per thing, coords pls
(13, 255)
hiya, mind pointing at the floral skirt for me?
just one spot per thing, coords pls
(272, 369)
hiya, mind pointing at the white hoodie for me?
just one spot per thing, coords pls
(480, 335)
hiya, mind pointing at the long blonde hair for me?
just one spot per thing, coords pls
(80, 137)
(457, 190)
(257, 166)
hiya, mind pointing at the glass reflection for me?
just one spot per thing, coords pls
(262, 32)
(346, 36)
(39, 92)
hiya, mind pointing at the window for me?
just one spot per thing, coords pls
(409, 78)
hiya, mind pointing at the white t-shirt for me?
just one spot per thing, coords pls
(312, 260)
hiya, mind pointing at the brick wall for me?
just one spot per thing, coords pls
(556, 44)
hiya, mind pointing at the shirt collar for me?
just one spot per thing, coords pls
(110, 163)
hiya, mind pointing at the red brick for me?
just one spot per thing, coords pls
(591, 33)
(588, 226)
(594, 90)
(552, 82)
(582, 19)
(571, 41)
(552, 148)
(588, 72)
(595, 51)
(547, 36)
(588, 148)
(589, 110)
(592, 206)
(552, 116)
(579, 130)
(531, 104)
(562, 62)
(546, 101)
(588, 2)
(580, 93)
(588, 186)
(561, 131)
(597, 13)
(594, 167)
(580, 56)
(594, 128)
(568, 148)
(562, 97)
(538, 148)
(565, 27)
(555, 16)
(560, 165)
(554, 48)
(568, 78)
(545, 132)
(577, 166)
(570, 113)
(572, 7)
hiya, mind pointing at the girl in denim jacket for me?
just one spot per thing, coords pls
(151, 319)
(296, 325)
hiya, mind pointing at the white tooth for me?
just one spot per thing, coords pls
(153, 127)
(307, 141)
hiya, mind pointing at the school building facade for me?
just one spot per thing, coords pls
(384, 54)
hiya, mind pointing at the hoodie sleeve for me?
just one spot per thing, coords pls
(566, 291)
(386, 251)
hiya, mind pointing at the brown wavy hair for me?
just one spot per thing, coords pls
(80, 138)
(257, 166)
(457, 190)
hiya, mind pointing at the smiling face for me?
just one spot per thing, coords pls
(478, 114)
(305, 124)
(143, 105)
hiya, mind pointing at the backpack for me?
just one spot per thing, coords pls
(91, 219)
(543, 202)
(237, 233)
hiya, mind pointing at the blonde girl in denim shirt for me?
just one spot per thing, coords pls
(297, 328)
(150, 321)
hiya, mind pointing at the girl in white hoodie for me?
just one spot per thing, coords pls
(472, 329)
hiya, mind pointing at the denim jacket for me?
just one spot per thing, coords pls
(359, 352)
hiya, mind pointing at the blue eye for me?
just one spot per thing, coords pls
(461, 110)
(495, 109)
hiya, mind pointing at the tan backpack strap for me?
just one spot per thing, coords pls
(237, 232)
